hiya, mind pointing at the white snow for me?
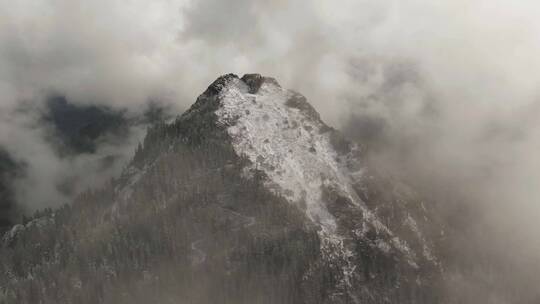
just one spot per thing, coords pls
(426, 250)
(277, 139)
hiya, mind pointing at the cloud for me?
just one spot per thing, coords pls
(445, 92)
(96, 55)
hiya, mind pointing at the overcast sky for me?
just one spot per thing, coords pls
(447, 90)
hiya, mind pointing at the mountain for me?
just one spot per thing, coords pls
(247, 197)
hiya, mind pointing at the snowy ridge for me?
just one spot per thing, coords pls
(276, 140)
(293, 147)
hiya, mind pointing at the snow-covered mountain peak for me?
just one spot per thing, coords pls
(302, 158)
(283, 136)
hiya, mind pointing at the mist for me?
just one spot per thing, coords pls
(443, 94)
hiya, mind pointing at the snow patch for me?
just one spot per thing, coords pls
(293, 147)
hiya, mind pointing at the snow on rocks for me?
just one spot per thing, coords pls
(284, 137)
(283, 143)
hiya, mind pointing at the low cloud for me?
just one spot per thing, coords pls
(445, 92)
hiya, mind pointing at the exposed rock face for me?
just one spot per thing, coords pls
(250, 188)
(254, 82)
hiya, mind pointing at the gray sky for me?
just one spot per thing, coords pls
(447, 90)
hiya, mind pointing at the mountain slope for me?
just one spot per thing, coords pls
(248, 197)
